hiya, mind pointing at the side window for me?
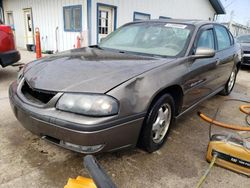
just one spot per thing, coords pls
(141, 16)
(223, 37)
(206, 39)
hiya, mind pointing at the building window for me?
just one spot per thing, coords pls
(141, 16)
(1, 15)
(103, 21)
(72, 18)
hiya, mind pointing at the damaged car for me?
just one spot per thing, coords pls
(129, 89)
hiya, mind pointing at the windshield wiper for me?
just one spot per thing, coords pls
(96, 46)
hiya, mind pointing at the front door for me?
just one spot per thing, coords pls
(105, 21)
(28, 22)
(202, 79)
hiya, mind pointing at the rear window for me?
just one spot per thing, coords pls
(223, 37)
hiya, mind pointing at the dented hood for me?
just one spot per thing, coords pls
(87, 70)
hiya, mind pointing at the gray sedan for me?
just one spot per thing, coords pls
(244, 41)
(127, 90)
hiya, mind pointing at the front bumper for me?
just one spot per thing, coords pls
(10, 57)
(104, 136)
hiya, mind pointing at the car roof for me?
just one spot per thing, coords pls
(181, 21)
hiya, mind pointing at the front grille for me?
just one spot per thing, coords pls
(36, 96)
(246, 52)
(246, 60)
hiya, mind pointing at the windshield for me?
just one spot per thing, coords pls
(244, 39)
(163, 39)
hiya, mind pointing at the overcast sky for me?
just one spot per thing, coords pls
(240, 8)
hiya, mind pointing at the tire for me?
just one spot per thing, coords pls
(157, 124)
(230, 83)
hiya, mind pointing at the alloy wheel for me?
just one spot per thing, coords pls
(231, 80)
(161, 124)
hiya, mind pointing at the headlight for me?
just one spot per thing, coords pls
(88, 104)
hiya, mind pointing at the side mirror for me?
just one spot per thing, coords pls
(204, 52)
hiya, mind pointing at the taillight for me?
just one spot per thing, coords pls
(6, 29)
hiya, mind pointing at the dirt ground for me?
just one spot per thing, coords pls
(27, 161)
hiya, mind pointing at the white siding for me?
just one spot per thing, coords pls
(191, 9)
(47, 15)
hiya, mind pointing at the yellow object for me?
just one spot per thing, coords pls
(80, 182)
(231, 154)
(227, 151)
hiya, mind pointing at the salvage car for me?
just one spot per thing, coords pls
(244, 40)
(8, 52)
(129, 89)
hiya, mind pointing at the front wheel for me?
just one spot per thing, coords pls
(157, 124)
(230, 83)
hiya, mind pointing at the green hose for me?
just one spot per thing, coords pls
(203, 178)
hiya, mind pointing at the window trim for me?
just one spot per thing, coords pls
(141, 13)
(71, 18)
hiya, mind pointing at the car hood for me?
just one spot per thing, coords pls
(87, 70)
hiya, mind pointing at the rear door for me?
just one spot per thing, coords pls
(225, 53)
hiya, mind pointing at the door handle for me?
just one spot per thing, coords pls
(217, 61)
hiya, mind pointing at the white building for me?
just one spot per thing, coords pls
(237, 29)
(61, 21)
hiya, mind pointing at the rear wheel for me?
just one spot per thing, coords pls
(230, 83)
(157, 124)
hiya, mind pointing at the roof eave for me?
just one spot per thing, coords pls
(218, 7)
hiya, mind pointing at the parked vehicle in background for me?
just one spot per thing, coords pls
(244, 41)
(129, 88)
(8, 52)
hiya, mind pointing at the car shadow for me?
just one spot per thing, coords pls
(8, 74)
